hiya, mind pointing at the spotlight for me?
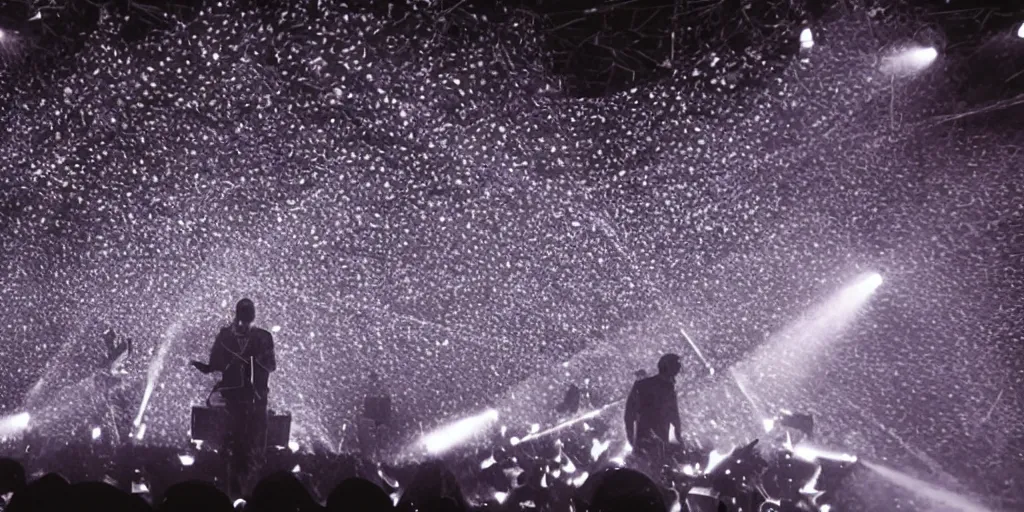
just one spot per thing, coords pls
(459, 432)
(1020, 31)
(924, 56)
(293, 446)
(96, 433)
(806, 39)
(186, 460)
(910, 61)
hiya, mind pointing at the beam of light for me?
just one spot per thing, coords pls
(910, 61)
(806, 39)
(156, 368)
(711, 369)
(810, 453)
(787, 359)
(567, 423)
(920, 455)
(925, 490)
(449, 436)
(746, 394)
(14, 424)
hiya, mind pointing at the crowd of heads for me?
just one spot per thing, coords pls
(433, 487)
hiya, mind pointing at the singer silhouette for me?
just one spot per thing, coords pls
(244, 355)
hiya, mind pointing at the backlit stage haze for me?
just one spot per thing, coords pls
(824, 217)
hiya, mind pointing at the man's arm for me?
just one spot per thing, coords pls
(266, 358)
(218, 355)
(677, 422)
(630, 415)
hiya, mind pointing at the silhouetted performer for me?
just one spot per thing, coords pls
(571, 402)
(652, 406)
(376, 416)
(110, 383)
(115, 349)
(245, 357)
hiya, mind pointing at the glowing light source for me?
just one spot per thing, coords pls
(96, 433)
(239, 504)
(769, 425)
(806, 38)
(597, 448)
(715, 458)
(14, 424)
(141, 433)
(186, 459)
(276, 328)
(812, 454)
(459, 432)
(297, 469)
(500, 497)
(580, 480)
(293, 446)
(910, 61)
(3, 35)
(1020, 31)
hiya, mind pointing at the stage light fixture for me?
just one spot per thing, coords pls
(806, 39)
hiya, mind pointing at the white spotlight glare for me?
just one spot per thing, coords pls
(1020, 31)
(924, 56)
(874, 281)
(806, 38)
(96, 433)
(459, 432)
(293, 446)
(186, 460)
